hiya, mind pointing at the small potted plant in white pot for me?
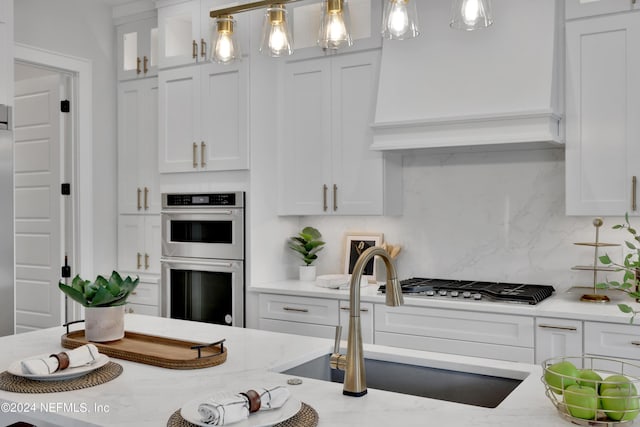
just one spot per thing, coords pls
(104, 302)
(307, 244)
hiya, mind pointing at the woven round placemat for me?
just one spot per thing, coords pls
(15, 384)
(305, 417)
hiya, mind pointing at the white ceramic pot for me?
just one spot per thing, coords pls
(308, 273)
(103, 324)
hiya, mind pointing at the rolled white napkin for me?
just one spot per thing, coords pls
(81, 356)
(230, 408)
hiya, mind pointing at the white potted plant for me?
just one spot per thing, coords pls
(307, 244)
(104, 302)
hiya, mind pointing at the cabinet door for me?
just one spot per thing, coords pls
(612, 340)
(137, 49)
(602, 103)
(6, 52)
(152, 244)
(357, 170)
(131, 243)
(138, 146)
(179, 118)
(224, 143)
(179, 34)
(583, 8)
(305, 148)
(557, 337)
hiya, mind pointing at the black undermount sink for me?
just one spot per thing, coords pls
(435, 383)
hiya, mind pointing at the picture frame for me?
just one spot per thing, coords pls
(354, 245)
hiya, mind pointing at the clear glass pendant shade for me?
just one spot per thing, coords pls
(276, 36)
(471, 14)
(225, 48)
(334, 27)
(400, 19)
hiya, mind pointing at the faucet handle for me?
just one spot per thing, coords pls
(336, 344)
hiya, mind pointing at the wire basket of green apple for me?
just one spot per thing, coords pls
(593, 391)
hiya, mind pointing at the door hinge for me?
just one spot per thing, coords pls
(65, 189)
(66, 268)
(65, 106)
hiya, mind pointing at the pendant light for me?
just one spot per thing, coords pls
(400, 20)
(225, 48)
(276, 37)
(471, 14)
(334, 27)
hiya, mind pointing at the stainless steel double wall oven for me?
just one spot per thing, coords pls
(203, 253)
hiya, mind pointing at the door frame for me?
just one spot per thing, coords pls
(81, 256)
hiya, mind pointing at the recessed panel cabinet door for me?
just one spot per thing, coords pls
(602, 110)
(305, 149)
(179, 119)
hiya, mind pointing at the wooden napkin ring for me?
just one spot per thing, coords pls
(63, 361)
(254, 400)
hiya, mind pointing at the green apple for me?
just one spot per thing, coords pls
(589, 378)
(581, 401)
(617, 381)
(560, 375)
(620, 404)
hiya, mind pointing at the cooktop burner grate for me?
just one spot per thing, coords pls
(470, 290)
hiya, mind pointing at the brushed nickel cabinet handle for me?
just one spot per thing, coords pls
(562, 328)
(203, 157)
(363, 310)
(634, 186)
(145, 64)
(146, 261)
(138, 71)
(194, 50)
(203, 48)
(139, 204)
(195, 155)
(138, 263)
(324, 197)
(335, 197)
(146, 198)
(297, 310)
(635, 343)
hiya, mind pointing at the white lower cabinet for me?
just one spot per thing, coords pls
(317, 317)
(145, 299)
(557, 337)
(494, 336)
(612, 340)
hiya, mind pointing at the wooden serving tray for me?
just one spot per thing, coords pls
(158, 351)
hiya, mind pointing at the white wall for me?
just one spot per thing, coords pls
(480, 215)
(84, 29)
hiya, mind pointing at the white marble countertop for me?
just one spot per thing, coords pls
(147, 396)
(564, 305)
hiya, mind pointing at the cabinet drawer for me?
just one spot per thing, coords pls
(469, 326)
(557, 337)
(306, 329)
(607, 339)
(145, 293)
(299, 309)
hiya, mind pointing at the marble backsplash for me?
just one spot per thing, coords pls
(497, 216)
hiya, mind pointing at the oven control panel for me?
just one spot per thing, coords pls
(235, 199)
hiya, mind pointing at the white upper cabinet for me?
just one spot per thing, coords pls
(138, 187)
(203, 118)
(326, 166)
(138, 49)
(185, 30)
(6, 52)
(584, 8)
(602, 107)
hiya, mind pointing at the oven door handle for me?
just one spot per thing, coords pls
(198, 212)
(193, 262)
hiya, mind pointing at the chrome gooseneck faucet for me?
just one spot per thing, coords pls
(355, 383)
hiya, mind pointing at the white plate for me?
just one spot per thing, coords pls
(189, 412)
(67, 374)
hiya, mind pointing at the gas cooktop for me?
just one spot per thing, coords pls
(475, 291)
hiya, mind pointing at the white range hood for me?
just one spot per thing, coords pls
(495, 86)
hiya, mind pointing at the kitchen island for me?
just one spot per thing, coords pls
(145, 395)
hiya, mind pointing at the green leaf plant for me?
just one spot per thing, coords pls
(307, 244)
(630, 266)
(102, 292)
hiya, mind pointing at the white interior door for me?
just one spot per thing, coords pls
(37, 203)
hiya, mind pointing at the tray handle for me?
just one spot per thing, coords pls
(66, 325)
(201, 346)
